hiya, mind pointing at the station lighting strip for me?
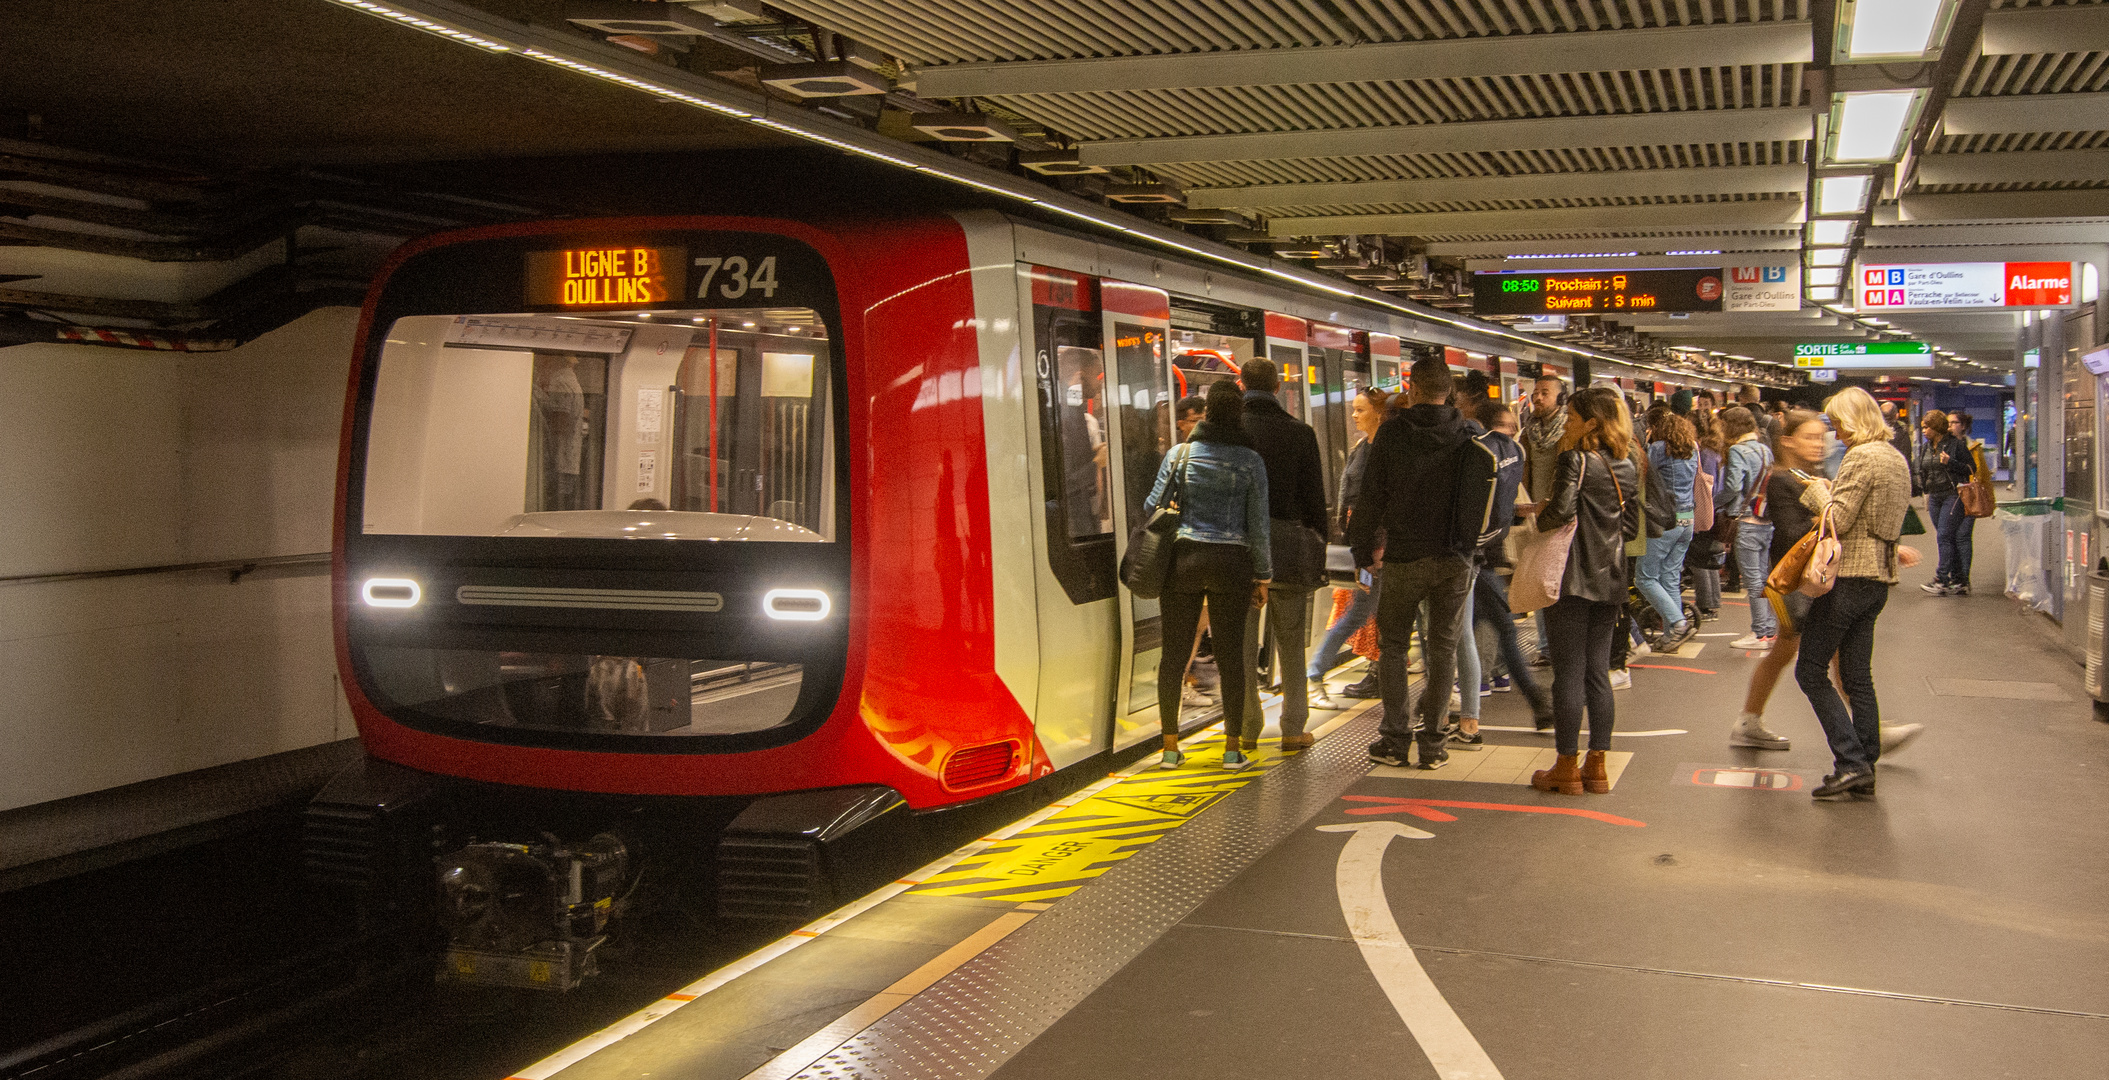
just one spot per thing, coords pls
(480, 30)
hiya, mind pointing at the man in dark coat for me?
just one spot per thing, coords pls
(1427, 503)
(1296, 504)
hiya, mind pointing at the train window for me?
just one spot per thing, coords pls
(681, 426)
(619, 695)
(1144, 408)
(1070, 369)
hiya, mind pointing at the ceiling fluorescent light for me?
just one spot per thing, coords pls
(1830, 232)
(1827, 256)
(1581, 255)
(1823, 294)
(1846, 194)
(1871, 125)
(1893, 29)
(1824, 275)
(1695, 251)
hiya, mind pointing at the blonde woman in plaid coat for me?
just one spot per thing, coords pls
(1866, 503)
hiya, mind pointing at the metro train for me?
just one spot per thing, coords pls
(724, 540)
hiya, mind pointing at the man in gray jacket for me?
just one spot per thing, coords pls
(1541, 455)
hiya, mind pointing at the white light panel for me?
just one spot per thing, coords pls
(1830, 232)
(1887, 28)
(1842, 194)
(1823, 275)
(1872, 125)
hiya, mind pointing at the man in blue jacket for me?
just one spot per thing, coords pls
(1426, 504)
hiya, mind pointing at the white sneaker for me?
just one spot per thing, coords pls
(1750, 731)
(1751, 641)
(1457, 704)
(1896, 736)
(1622, 679)
(1193, 698)
(1641, 649)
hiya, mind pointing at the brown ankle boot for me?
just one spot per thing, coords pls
(1564, 777)
(1595, 780)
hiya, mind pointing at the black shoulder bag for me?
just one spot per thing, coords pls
(1148, 561)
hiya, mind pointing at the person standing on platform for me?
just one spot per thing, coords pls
(1673, 455)
(1944, 465)
(1426, 501)
(1597, 488)
(1297, 527)
(1541, 454)
(1370, 409)
(1749, 459)
(1800, 455)
(1703, 558)
(1966, 526)
(1490, 597)
(1866, 506)
(1220, 559)
(1899, 436)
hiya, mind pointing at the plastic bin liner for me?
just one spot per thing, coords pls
(2027, 531)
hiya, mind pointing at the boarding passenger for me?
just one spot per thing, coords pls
(1296, 507)
(1427, 495)
(1490, 597)
(1944, 466)
(1597, 488)
(1220, 558)
(1191, 409)
(1749, 459)
(1356, 605)
(1866, 506)
(1673, 450)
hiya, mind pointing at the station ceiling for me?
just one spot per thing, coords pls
(1466, 132)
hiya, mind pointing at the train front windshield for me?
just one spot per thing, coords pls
(580, 526)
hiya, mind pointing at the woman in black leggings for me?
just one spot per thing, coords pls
(1219, 559)
(1597, 489)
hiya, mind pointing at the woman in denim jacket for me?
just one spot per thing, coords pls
(1220, 558)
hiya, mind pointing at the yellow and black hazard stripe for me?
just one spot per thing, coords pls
(1060, 854)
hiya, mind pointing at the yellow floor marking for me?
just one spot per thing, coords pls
(1501, 765)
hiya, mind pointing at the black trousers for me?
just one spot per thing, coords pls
(1220, 576)
(1582, 631)
(1841, 623)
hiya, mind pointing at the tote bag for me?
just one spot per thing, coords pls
(1810, 567)
(1541, 565)
(1148, 562)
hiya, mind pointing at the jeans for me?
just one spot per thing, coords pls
(1754, 556)
(1219, 575)
(1443, 581)
(1951, 530)
(1841, 623)
(1490, 605)
(1361, 607)
(1706, 589)
(1581, 671)
(1289, 613)
(1468, 674)
(1662, 573)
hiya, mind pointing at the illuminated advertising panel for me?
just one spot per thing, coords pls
(1596, 292)
(1895, 286)
(1762, 288)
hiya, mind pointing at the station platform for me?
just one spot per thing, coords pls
(1317, 916)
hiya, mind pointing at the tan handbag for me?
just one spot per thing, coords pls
(1793, 572)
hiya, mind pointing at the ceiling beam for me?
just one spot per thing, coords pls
(2042, 166)
(2005, 205)
(1734, 245)
(1723, 45)
(1769, 212)
(1894, 234)
(1700, 126)
(1627, 262)
(2040, 30)
(1590, 185)
(2025, 112)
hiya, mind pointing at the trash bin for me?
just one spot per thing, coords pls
(2027, 526)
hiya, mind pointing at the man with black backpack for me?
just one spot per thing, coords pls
(1426, 504)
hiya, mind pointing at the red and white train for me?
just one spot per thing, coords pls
(728, 537)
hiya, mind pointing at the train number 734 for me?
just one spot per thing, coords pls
(738, 278)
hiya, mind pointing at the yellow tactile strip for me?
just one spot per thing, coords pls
(1500, 765)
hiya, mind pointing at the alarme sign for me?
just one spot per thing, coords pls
(1967, 285)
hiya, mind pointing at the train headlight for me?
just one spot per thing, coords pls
(391, 592)
(796, 605)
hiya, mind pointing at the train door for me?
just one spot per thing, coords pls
(1288, 346)
(1140, 433)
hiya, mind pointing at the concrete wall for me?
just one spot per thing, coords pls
(117, 459)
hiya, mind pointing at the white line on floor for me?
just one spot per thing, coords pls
(1359, 876)
(1627, 734)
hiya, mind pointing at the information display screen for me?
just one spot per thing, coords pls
(1864, 354)
(606, 276)
(1587, 292)
(1966, 285)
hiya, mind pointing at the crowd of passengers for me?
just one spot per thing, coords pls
(1583, 511)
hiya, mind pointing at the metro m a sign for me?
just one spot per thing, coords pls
(1965, 285)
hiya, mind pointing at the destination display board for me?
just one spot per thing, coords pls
(1894, 286)
(1596, 292)
(1864, 354)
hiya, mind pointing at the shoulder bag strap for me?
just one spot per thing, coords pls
(1175, 497)
(1615, 485)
